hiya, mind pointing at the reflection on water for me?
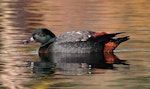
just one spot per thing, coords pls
(74, 64)
(20, 69)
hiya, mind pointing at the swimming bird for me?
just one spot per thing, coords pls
(78, 41)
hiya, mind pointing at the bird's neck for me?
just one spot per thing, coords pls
(48, 42)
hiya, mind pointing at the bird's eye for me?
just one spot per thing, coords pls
(39, 34)
(34, 37)
(43, 34)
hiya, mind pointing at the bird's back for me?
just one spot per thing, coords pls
(75, 42)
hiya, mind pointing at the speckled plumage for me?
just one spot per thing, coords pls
(75, 42)
(75, 36)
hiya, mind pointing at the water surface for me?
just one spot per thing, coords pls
(22, 68)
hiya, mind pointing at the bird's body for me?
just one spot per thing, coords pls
(80, 41)
(75, 42)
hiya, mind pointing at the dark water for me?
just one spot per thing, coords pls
(22, 68)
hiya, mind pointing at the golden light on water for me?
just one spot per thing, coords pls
(18, 18)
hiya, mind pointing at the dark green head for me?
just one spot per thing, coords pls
(42, 35)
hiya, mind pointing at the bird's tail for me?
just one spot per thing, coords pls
(111, 45)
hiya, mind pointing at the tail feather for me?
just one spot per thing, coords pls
(119, 33)
(112, 35)
(111, 45)
(103, 37)
(120, 40)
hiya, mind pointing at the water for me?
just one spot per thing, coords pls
(22, 68)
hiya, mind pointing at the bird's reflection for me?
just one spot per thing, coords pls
(74, 64)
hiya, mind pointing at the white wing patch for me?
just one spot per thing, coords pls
(78, 32)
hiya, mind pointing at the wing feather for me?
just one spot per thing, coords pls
(75, 36)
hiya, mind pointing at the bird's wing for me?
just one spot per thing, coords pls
(75, 36)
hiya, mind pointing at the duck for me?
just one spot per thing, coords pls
(77, 41)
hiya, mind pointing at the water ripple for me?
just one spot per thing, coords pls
(18, 19)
